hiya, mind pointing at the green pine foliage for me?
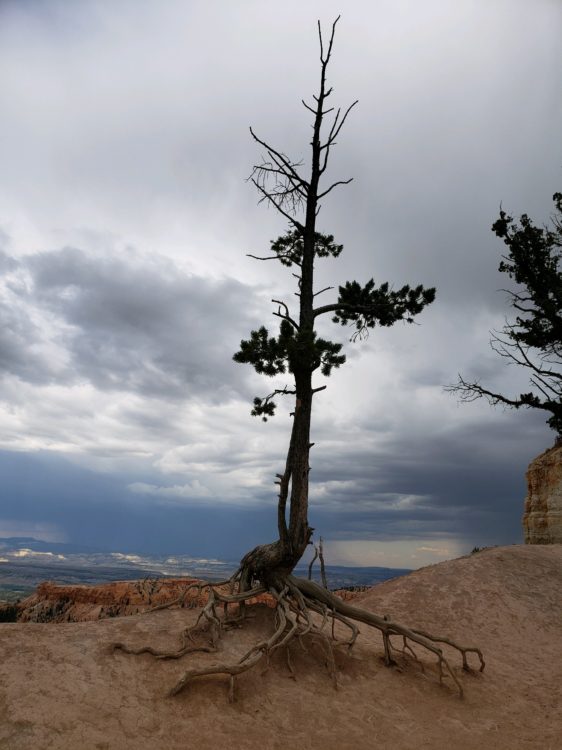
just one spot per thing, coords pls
(533, 262)
(295, 349)
(534, 339)
(367, 306)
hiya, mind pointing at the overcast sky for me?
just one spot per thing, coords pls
(125, 219)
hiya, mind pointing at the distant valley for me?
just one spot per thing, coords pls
(25, 562)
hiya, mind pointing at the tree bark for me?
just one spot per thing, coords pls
(275, 561)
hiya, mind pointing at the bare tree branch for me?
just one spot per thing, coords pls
(505, 350)
(285, 316)
(333, 185)
(310, 109)
(326, 289)
(337, 125)
(290, 166)
(265, 169)
(267, 196)
(327, 59)
(472, 391)
(335, 129)
(262, 257)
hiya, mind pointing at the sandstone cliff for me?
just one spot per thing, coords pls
(542, 521)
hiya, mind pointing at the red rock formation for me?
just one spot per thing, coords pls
(58, 603)
(542, 521)
(52, 602)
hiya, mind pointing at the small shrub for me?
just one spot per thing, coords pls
(8, 613)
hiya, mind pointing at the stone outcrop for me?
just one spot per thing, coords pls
(542, 521)
(53, 602)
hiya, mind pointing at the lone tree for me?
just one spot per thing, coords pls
(534, 339)
(302, 607)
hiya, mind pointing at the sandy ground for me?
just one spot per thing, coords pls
(62, 688)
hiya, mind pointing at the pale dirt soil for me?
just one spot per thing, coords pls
(61, 688)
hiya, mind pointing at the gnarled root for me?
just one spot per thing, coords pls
(389, 628)
(208, 621)
(302, 609)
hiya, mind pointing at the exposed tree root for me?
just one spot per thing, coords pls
(303, 610)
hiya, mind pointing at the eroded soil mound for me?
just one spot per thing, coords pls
(62, 687)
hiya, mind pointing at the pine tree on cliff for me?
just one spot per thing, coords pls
(303, 608)
(534, 339)
(297, 349)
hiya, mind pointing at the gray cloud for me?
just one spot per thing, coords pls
(132, 324)
(124, 129)
(464, 483)
(18, 335)
(94, 509)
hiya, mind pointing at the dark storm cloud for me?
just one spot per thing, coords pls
(141, 326)
(464, 482)
(98, 511)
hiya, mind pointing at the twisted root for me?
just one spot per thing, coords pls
(298, 606)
